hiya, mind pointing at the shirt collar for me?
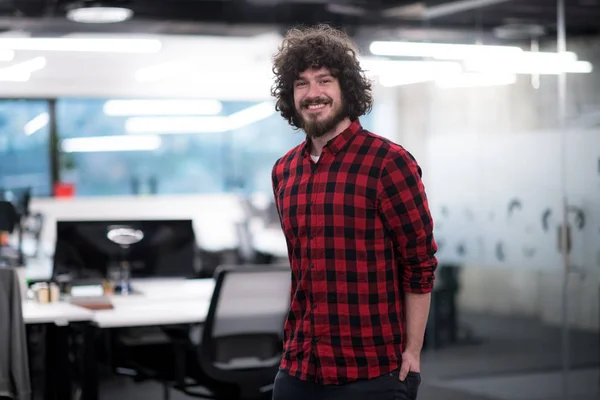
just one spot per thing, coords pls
(336, 144)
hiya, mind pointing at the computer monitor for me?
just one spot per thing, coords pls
(87, 250)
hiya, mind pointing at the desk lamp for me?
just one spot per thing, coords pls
(124, 236)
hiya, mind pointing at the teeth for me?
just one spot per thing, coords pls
(315, 106)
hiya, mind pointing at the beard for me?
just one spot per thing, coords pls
(315, 127)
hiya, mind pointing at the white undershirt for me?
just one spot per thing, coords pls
(315, 158)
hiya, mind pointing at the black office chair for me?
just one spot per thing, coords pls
(9, 218)
(8, 221)
(242, 339)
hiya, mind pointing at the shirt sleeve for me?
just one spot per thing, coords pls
(406, 216)
(275, 185)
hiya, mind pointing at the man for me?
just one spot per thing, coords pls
(359, 233)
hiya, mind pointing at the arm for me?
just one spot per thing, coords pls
(417, 311)
(406, 216)
(275, 186)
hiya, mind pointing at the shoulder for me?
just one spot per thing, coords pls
(284, 161)
(389, 153)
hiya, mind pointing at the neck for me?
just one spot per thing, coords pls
(317, 144)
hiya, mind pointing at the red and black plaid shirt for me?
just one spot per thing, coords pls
(359, 234)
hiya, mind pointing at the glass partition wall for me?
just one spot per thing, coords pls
(510, 156)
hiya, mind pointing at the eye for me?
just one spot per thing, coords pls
(298, 84)
(326, 80)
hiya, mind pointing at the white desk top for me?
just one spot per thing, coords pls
(54, 313)
(173, 289)
(152, 313)
(160, 302)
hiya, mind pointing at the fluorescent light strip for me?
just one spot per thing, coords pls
(539, 57)
(526, 67)
(399, 73)
(439, 50)
(105, 45)
(476, 80)
(392, 81)
(176, 125)
(162, 107)
(250, 115)
(35, 64)
(482, 59)
(21, 72)
(15, 77)
(99, 15)
(111, 143)
(191, 125)
(386, 67)
(36, 124)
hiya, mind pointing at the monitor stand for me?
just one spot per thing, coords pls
(123, 285)
(124, 236)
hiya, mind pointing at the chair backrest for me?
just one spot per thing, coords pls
(14, 361)
(243, 333)
(8, 216)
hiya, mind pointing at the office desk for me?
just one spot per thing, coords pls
(60, 313)
(157, 303)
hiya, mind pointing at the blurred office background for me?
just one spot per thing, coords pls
(163, 111)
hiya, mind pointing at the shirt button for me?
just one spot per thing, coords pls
(312, 236)
(312, 266)
(314, 306)
(315, 339)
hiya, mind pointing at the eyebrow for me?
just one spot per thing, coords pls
(320, 76)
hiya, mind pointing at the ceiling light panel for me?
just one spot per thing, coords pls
(106, 45)
(162, 107)
(99, 15)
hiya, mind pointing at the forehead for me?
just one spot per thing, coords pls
(312, 73)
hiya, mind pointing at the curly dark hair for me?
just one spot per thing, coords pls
(316, 47)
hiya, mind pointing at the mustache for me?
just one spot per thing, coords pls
(310, 102)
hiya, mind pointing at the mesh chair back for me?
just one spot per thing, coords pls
(245, 324)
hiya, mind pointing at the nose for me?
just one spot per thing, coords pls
(313, 91)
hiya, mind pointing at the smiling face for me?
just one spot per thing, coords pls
(318, 102)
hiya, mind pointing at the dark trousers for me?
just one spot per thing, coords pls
(386, 387)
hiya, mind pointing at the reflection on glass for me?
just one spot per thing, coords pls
(24, 143)
(116, 148)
